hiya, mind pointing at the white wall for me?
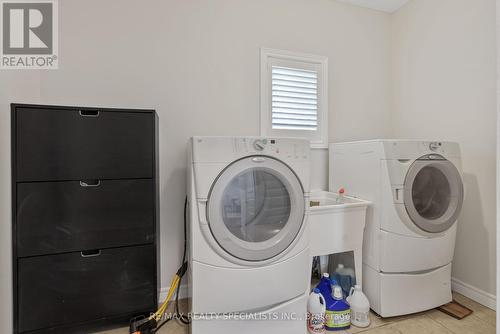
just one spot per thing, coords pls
(14, 86)
(197, 63)
(444, 87)
(498, 151)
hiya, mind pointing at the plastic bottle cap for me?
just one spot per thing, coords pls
(327, 275)
(316, 290)
(337, 292)
(341, 190)
(333, 281)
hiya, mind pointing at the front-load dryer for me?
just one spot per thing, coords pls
(248, 237)
(417, 193)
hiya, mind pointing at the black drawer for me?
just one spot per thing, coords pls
(71, 144)
(57, 217)
(68, 288)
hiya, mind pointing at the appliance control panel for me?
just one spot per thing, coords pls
(414, 149)
(437, 147)
(226, 149)
(282, 148)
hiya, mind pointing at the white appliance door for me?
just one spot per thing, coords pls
(256, 208)
(433, 193)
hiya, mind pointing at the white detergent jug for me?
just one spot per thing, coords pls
(316, 309)
(360, 307)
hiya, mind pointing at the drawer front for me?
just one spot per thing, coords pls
(57, 217)
(62, 289)
(64, 144)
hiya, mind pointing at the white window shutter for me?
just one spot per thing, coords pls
(294, 102)
(294, 96)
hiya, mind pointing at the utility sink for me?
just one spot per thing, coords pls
(336, 225)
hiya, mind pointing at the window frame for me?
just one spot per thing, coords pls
(273, 57)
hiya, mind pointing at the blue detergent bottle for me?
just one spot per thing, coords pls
(338, 311)
(324, 285)
(345, 277)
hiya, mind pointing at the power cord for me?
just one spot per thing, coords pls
(183, 318)
(151, 324)
(180, 316)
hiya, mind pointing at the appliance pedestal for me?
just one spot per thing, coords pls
(289, 317)
(392, 295)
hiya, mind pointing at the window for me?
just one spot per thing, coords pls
(294, 96)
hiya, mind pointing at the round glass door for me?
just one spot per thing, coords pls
(256, 208)
(255, 205)
(433, 194)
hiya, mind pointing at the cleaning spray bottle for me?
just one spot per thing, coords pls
(338, 311)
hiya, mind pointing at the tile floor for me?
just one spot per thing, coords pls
(482, 321)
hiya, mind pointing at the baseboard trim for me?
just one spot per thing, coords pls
(482, 297)
(183, 293)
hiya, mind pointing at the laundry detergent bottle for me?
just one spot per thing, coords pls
(324, 285)
(316, 309)
(338, 311)
(360, 307)
(345, 277)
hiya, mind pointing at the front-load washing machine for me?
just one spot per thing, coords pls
(248, 240)
(409, 239)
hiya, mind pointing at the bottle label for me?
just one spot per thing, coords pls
(338, 319)
(316, 323)
(361, 317)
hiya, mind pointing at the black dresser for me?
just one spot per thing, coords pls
(85, 217)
